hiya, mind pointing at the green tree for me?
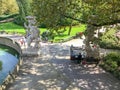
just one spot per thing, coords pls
(51, 12)
(24, 10)
(8, 7)
(95, 13)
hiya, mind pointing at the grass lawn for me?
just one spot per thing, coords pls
(75, 29)
(13, 28)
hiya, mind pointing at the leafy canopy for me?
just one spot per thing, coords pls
(8, 7)
(95, 12)
(51, 12)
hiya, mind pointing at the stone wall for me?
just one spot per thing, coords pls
(12, 75)
(11, 43)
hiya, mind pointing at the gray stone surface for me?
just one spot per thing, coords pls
(53, 70)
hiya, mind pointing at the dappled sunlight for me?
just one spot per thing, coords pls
(86, 78)
(53, 70)
(47, 77)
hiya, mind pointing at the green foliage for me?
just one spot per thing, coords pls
(97, 12)
(9, 25)
(100, 12)
(42, 25)
(91, 12)
(51, 12)
(8, 7)
(109, 40)
(24, 10)
(16, 6)
(19, 20)
(12, 28)
(111, 63)
(3, 17)
(75, 29)
(24, 7)
(114, 57)
(0, 65)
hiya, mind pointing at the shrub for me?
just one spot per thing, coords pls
(109, 40)
(19, 20)
(114, 56)
(111, 63)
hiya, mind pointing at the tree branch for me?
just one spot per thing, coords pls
(107, 23)
(7, 20)
(95, 24)
(79, 20)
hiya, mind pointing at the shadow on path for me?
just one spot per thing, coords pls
(86, 78)
(54, 71)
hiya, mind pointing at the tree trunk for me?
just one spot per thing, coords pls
(91, 48)
(70, 28)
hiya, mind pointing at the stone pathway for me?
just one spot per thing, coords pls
(54, 71)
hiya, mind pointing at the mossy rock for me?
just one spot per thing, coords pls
(0, 65)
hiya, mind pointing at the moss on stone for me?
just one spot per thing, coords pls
(0, 65)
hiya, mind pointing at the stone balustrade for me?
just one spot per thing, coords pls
(12, 75)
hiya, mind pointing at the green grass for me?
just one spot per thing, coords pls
(13, 28)
(66, 37)
(10, 28)
(75, 29)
